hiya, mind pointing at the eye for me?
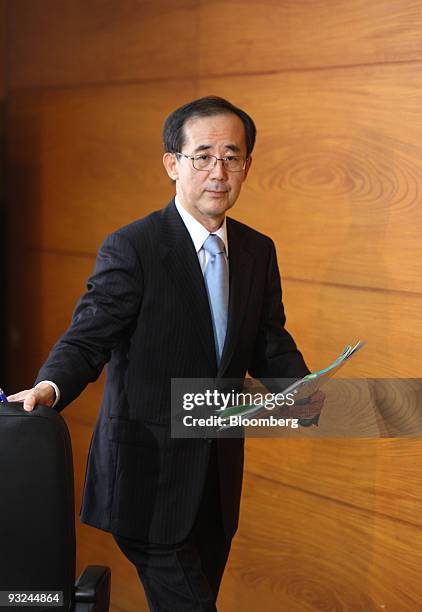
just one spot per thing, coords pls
(204, 157)
(231, 158)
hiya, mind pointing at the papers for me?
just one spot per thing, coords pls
(307, 385)
(300, 390)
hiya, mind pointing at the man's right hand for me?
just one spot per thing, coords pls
(42, 394)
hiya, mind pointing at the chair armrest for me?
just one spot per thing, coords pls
(93, 585)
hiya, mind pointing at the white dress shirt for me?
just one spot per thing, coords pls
(199, 234)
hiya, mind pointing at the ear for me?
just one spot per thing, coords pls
(171, 166)
(248, 165)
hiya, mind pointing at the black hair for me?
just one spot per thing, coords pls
(173, 132)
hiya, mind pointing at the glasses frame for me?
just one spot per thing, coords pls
(217, 159)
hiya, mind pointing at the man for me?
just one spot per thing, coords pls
(182, 293)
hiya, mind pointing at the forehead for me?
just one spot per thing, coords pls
(215, 131)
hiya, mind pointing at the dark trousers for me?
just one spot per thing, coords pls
(185, 577)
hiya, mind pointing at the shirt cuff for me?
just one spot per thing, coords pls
(55, 387)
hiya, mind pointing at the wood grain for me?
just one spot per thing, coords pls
(337, 171)
(298, 552)
(381, 476)
(71, 42)
(85, 162)
(353, 408)
(324, 318)
(268, 35)
(43, 289)
(163, 39)
(359, 181)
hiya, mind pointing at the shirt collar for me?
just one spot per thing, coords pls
(197, 231)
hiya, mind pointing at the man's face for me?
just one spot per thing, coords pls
(207, 195)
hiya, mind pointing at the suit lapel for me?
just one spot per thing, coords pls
(181, 261)
(241, 264)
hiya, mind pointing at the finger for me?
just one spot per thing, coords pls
(18, 397)
(30, 401)
(310, 410)
(306, 414)
(318, 396)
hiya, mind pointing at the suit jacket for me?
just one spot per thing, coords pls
(146, 314)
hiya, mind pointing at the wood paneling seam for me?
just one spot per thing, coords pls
(334, 499)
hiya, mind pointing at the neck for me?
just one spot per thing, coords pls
(212, 224)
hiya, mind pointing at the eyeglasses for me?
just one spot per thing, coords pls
(206, 162)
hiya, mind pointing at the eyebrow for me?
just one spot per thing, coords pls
(204, 147)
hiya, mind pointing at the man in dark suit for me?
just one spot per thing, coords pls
(181, 293)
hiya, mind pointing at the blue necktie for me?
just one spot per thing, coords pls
(216, 277)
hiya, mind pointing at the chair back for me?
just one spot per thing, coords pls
(37, 522)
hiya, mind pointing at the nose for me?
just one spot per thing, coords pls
(219, 171)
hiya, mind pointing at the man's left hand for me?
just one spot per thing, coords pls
(308, 412)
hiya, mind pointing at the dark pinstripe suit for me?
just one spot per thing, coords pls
(146, 313)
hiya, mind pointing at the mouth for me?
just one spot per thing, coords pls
(216, 192)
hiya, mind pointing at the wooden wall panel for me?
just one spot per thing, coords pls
(84, 162)
(162, 39)
(41, 308)
(55, 281)
(299, 552)
(365, 474)
(324, 318)
(258, 36)
(337, 171)
(70, 42)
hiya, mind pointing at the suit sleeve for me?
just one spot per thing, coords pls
(103, 315)
(275, 353)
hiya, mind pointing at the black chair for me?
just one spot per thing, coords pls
(37, 519)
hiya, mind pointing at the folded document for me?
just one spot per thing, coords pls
(301, 389)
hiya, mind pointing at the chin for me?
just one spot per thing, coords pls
(219, 203)
(218, 209)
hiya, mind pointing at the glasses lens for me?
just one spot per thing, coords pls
(203, 162)
(232, 163)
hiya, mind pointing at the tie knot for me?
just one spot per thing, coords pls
(214, 245)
